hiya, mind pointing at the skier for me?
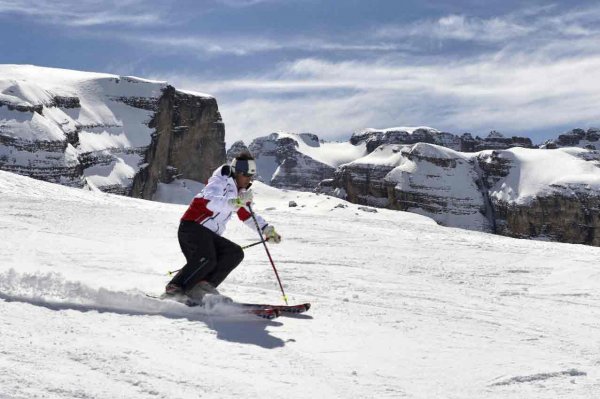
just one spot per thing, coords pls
(211, 257)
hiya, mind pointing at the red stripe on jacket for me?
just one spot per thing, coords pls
(243, 214)
(197, 211)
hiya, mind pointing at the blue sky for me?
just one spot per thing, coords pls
(334, 67)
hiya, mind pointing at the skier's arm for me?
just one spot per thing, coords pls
(265, 228)
(246, 217)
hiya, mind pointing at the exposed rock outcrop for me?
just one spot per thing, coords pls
(589, 139)
(405, 135)
(100, 130)
(53, 158)
(54, 161)
(189, 142)
(549, 194)
(283, 162)
(236, 148)
(519, 192)
(558, 217)
(425, 179)
(412, 135)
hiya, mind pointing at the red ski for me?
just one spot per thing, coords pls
(294, 309)
(263, 311)
(266, 312)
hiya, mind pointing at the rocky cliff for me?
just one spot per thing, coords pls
(188, 143)
(297, 161)
(546, 194)
(304, 162)
(426, 179)
(373, 138)
(589, 139)
(549, 194)
(496, 184)
(118, 134)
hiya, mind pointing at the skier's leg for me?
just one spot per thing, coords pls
(229, 255)
(198, 246)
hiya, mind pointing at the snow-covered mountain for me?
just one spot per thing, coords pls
(519, 192)
(402, 307)
(147, 139)
(373, 138)
(509, 188)
(589, 139)
(102, 130)
(302, 161)
(423, 178)
(297, 161)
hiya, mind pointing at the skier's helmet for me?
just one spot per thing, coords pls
(244, 164)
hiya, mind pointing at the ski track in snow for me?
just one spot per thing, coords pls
(401, 306)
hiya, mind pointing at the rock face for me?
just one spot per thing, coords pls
(497, 184)
(558, 217)
(520, 192)
(236, 148)
(104, 131)
(421, 178)
(297, 161)
(405, 135)
(51, 160)
(304, 162)
(589, 139)
(550, 194)
(189, 142)
(412, 135)
(445, 182)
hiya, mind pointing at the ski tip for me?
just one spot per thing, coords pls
(268, 314)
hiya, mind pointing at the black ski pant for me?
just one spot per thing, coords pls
(209, 256)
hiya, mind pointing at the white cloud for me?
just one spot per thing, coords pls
(248, 3)
(84, 12)
(459, 27)
(546, 21)
(542, 72)
(515, 92)
(242, 45)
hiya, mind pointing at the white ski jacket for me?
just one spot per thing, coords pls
(211, 207)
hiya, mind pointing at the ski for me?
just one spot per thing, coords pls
(294, 309)
(265, 312)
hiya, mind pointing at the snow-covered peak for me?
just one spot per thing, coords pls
(329, 153)
(86, 100)
(57, 122)
(426, 150)
(39, 85)
(387, 155)
(531, 173)
(407, 129)
(536, 172)
(392, 154)
(195, 93)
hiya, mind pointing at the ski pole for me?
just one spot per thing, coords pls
(262, 239)
(172, 272)
(253, 244)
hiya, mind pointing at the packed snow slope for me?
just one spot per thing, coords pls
(401, 306)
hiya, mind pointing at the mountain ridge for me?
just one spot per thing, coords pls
(484, 195)
(104, 131)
